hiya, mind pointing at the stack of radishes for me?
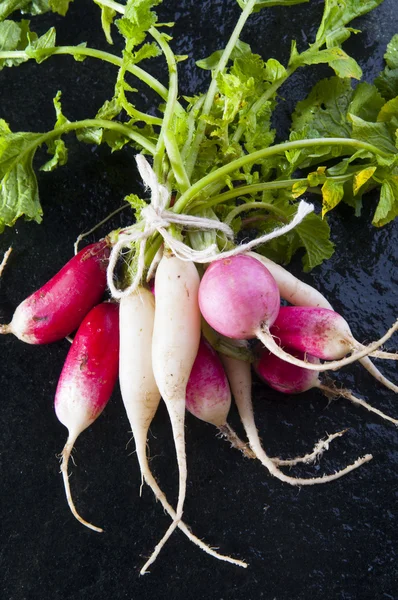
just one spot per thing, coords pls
(163, 353)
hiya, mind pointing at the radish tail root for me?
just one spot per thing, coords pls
(313, 456)
(5, 329)
(152, 483)
(176, 409)
(332, 391)
(245, 409)
(66, 452)
(5, 259)
(374, 371)
(229, 434)
(266, 338)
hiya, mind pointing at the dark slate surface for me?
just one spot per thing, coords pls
(330, 542)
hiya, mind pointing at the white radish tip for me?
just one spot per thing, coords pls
(66, 452)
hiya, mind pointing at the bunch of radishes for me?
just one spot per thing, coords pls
(162, 353)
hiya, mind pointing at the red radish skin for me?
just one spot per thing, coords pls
(56, 309)
(284, 377)
(318, 331)
(239, 298)
(290, 379)
(87, 381)
(298, 293)
(208, 395)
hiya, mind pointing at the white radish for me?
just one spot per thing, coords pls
(239, 375)
(175, 344)
(140, 393)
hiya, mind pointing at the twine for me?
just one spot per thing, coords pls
(156, 218)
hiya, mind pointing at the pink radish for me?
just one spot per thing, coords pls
(290, 379)
(299, 293)
(87, 380)
(239, 375)
(140, 393)
(239, 298)
(175, 344)
(208, 394)
(57, 308)
(318, 331)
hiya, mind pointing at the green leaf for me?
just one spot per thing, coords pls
(342, 64)
(336, 15)
(323, 113)
(211, 62)
(38, 47)
(387, 82)
(366, 102)
(18, 185)
(377, 134)
(56, 146)
(387, 208)
(13, 36)
(107, 18)
(33, 7)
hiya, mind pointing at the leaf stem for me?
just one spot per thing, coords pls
(260, 155)
(211, 92)
(141, 74)
(67, 127)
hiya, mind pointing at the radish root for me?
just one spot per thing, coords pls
(239, 376)
(66, 452)
(310, 458)
(374, 371)
(159, 494)
(266, 338)
(334, 392)
(5, 259)
(229, 434)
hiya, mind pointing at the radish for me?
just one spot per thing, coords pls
(239, 298)
(209, 396)
(57, 308)
(299, 293)
(318, 331)
(290, 287)
(87, 380)
(290, 379)
(175, 344)
(239, 375)
(140, 393)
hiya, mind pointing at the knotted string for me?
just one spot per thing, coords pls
(156, 218)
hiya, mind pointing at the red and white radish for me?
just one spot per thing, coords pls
(87, 381)
(290, 379)
(58, 308)
(175, 344)
(239, 375)
(209, 396)
(239, 298)
(319, 331)
(140, 393)
(299, 293)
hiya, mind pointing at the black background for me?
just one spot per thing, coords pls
(337, 541)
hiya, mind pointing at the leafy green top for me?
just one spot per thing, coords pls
(217, 150)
